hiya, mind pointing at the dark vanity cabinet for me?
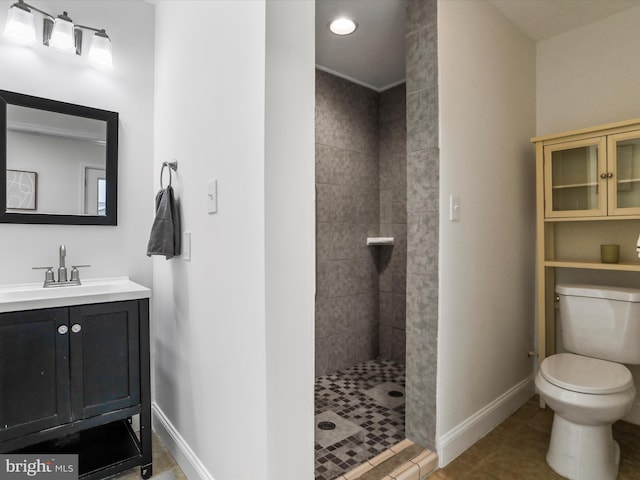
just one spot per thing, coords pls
(71, 378)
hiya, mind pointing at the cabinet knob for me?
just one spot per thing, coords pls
(609, 175)
(62, 329)
(76, 327)
(603, 175)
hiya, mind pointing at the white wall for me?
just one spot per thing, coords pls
(486, 313)
(127, 89)
(290, 237)
(230, 376)
(589, 77)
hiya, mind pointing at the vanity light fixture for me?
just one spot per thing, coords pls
(57, 32)
(343, 26)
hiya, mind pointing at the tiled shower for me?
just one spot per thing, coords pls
(377, 173)
(361, 192)
(361, 187)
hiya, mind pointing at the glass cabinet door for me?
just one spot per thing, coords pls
(574, 186)
(624, 174)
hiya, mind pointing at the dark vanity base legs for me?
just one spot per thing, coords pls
(146, 471)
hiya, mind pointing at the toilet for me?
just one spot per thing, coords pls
(589, 388)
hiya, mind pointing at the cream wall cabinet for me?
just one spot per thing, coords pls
(588, 193)
(593, 177)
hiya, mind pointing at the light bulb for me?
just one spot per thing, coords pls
(343, 26)
(62, 37)
(20, 25)
(100, 49)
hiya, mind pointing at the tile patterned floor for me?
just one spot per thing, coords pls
(516, 450)
(365, 403)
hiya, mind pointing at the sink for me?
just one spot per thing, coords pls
(31, 296)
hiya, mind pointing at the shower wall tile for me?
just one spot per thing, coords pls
(399, 174)
(362, 231)
(392, 137)
(343, 168)
(399, 318)
(399, 206)
(386, 342)
(324, 159)
(424, 170)
(399, 280)
(422, 303)
(332, 316)
(335, 241)
(422, 243)
(323, 202)
(386, 309)
(422, 59)
(421, 14)
(422, 107)
(386, 181)
(323, 240)
(365, 210)
(420, 415)
(386, 206)
(348, 210)
(393, 104)
(422, 220)
(386, 284)
(393, 217)
(399, 233)
(365, 310)
(398, 345)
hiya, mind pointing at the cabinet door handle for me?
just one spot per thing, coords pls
(63, 329)
(603, 175)
(76, 327)
(609, 175)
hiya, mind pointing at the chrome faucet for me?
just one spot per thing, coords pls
(63, 281)
(62, 270)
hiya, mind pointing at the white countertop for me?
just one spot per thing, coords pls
(31, 296)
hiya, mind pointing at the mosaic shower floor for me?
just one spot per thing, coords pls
(359, 413)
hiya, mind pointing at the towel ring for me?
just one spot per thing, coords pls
(172, 166)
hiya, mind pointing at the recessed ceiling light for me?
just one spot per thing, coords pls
(343, 26)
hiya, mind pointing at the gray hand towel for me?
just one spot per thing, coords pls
(165, 232)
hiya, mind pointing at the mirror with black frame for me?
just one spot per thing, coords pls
(58, 162)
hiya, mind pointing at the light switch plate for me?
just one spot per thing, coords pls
(454, 208)
(212, 196)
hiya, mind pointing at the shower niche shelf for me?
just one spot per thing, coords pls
(379, 241)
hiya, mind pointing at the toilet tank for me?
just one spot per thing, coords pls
(601, 322)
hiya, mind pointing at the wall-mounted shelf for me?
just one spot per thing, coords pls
(575, 185)
(627, 267)
(591, 219)
(379, 240)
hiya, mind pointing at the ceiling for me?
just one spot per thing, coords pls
(543, 19)
(374, 54)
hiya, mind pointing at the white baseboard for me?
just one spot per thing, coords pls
(178, 447)
(468, 432)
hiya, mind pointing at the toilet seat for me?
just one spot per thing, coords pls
(585, 374)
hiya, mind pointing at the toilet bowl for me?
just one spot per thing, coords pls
(590, 388)
(587, 395)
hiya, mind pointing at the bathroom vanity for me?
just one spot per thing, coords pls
(74, 370)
